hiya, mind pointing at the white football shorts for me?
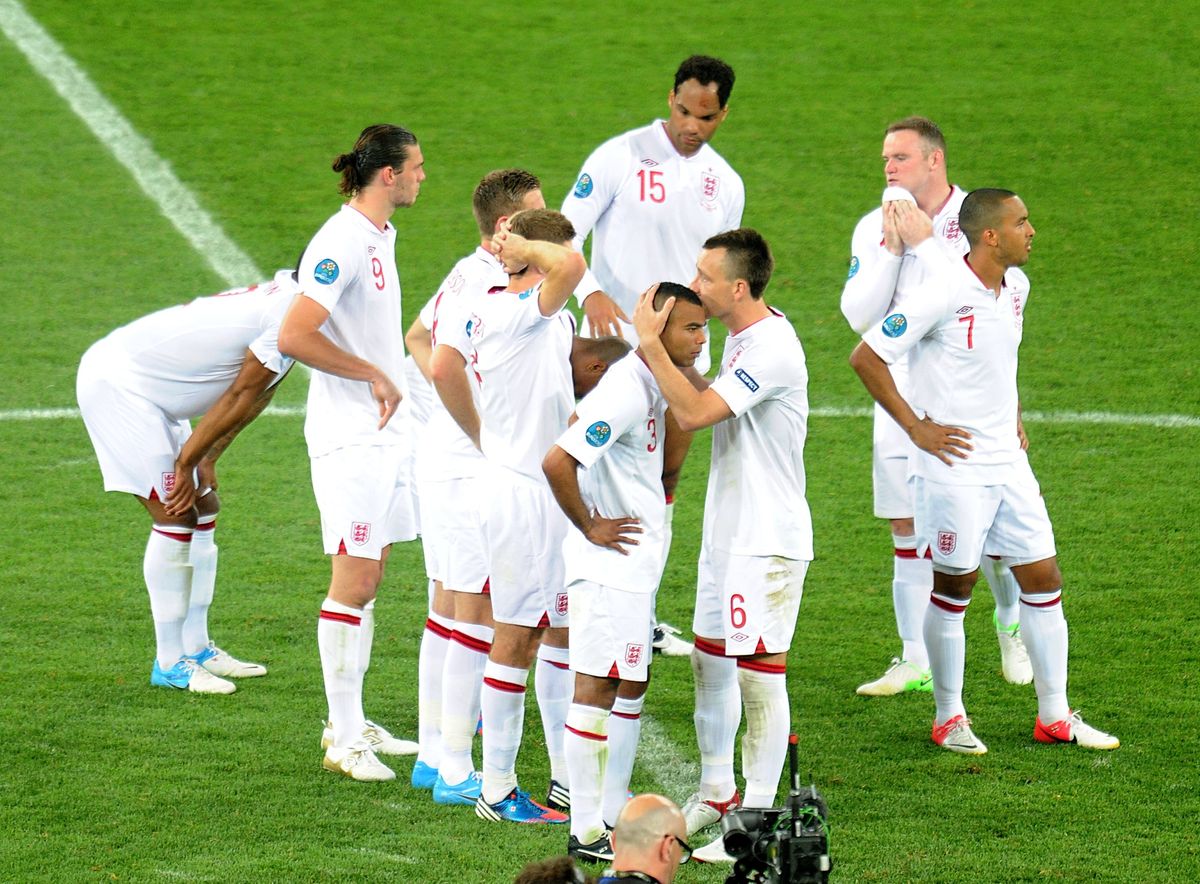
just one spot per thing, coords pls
(365, 503)
(611, 631)
(960, 524)
(525, 530)
(751, 602)
(136, 442)
(454, 543)
(890, 451)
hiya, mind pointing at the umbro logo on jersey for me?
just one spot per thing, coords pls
(370, 250)
(963, 311)
(647, 161)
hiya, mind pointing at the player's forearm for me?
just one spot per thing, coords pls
(563, 268)
(232, 413)
(454, 389)
(562, 473)
(419, 342)
(318, 352)
(877, 378)
(868, 294)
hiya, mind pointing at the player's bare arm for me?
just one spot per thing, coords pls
(301, 338)
(603, 314)
(693, 409)
(563, 266)
(447, 373)
(676, 443)
(1021, 430)
(561, 471)
(241, 403)
(419, 342)
(940, 441)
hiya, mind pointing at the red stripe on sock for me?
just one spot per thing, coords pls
(1049, 604)
(556, 663)
(587, 735)
(206, 526)
(182, 538)
(470, 642)
(506, 686)
(906, 553)
(670, 498)
(632, 716)
(437, 628)
(947, 606)
(339, 617)
(760, 666)
(701, 644)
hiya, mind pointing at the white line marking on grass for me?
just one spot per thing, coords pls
(132, 151)
(677, 777)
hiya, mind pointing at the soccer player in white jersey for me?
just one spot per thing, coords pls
(882, 268)
(975, 493)
(137, 390)
(650, 197)
(614, 559)
(458, 630)
(753, 557)
(521, 342)
(346, 324)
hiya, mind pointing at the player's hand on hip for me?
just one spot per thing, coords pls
(941, 441)
(611, 533)
(602, 315)
(1021, 437)
(648, 322)
(181, 497)
(388, 396)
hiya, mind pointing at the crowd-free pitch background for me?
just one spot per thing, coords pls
(234, 112)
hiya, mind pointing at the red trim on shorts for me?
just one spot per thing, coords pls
(670, 499)
(613, 673)
(470, 642)
(759, 666)
(206, 526)
(341, 548)
(182, 538)
(708, 647)
(632, 716)
(339, 617)
(487, 587)
(947, 606)
(1050, 604)
(994, 558)
(760, 648)
(587, 735)
(506, 686)
(544, 622)
(153, 495)
(437, 628)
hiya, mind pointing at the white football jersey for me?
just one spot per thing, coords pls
(652, 210)
(962, 339)
(755, 504)
(349, 268)
(445, 451)
(617, 439)
(183, 358)
(522, 362)
(877, 277)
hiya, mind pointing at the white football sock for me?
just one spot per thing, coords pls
(946, 643)
(586, 747)
(1004, 589)
(168, 576)
(339, 640)
(431, 664)
(768, 720)
(466, 656)
(624, 730)
(503, 703)
(203, 558)
(717, 716)
(1044, 629)
(912, 579)
(554, 684)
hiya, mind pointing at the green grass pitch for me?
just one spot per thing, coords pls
(1088, 111)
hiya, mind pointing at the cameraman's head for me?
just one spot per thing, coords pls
(650, 838)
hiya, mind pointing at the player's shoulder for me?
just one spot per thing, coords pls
(1016, 279)
(871, 222)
